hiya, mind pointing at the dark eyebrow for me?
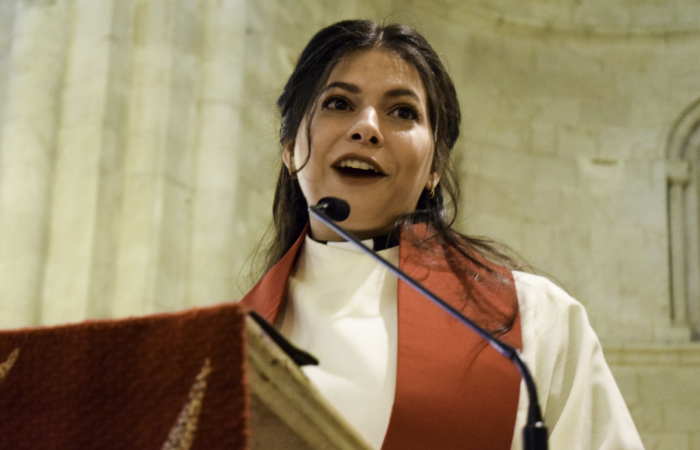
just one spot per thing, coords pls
(401, 93)
(342, 85)
(356, 90)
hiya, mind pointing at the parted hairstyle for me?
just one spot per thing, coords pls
(298, 100)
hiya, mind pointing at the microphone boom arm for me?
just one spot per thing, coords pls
(535, 431)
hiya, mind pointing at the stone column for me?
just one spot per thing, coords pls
(677, 172)
(89, 164)
(27, 149)
(154, 230)
(214, 245)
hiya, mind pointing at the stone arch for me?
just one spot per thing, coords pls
(683, 176)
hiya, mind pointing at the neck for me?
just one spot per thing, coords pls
(320, 232)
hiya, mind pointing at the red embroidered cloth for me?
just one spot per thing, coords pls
(171, 381)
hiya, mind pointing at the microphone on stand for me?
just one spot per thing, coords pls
(335, 208)
(329, 210)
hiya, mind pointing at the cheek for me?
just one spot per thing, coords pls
(318, 143)
(301, 150)
(301, 147)
(421, 152)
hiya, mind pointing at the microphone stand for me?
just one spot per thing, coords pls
(535, 431)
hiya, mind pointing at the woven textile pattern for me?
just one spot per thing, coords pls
(171, 381)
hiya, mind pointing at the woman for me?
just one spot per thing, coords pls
(371, 116)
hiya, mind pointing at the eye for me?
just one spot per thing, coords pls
(406, 112)
(336, 103)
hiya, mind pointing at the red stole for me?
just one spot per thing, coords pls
(453, 390)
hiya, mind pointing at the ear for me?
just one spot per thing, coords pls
(433, 180)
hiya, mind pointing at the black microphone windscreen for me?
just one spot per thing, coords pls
(335, 208)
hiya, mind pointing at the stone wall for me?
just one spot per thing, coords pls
(660, 386)
(138, 153)
(565, 139)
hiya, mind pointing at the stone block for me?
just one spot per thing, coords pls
(143, 154)
(626, 378)
(694, 441)
(558, 111)
(519, 61)
(172, 253)
(606, 111)
(84, 103)
(504, 7)
(683, 418)
(665, 440)
(558, 13)
(648, 417)
(89, 59)
(602, 16)
(582, 208)
(669, 385)
(654, 16)
(178, 141)
(543, 138)
(491, 128)
(540, 244)
(214, 247)
(642, 280)
(7, 19)
(566, 59)
(527, 170)
(560, 174)
(650, 111)
(573, 246)
(92, 21)
(577, 142)
(636, 310)
(632, 266)
(630, 142)
(498, 196)
(626, 330)
(626, 212)
(217, 160)
(503, 229)
(600, 177)
(491, 196)
(687, 14)
(541, 204)
(625, 205)
(685, 85)
(664, 331)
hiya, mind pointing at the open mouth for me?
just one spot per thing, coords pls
(358, 169)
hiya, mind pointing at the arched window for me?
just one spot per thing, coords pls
(683, 173)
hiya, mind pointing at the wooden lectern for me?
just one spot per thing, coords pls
(207, 378)
(286, 411)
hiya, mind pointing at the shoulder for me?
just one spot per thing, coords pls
(547, 307)
(558, 341)
(578, 395)
(535, 290)
(555, 326)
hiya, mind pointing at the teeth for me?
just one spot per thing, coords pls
(355, 164)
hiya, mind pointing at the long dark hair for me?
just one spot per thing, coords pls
(438, 209)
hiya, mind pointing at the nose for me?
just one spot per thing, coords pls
(366, 129)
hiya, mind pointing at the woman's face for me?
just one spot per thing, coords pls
(371, 143)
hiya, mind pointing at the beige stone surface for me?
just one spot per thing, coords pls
(138, 153)
(33, 70)
(660, 385)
